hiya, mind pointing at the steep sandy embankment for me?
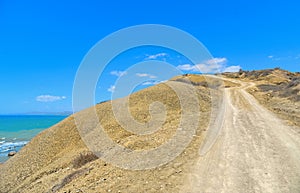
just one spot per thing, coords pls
(58, 161)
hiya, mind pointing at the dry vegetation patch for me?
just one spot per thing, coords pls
(277, 89)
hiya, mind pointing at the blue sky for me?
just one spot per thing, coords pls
(42, 43)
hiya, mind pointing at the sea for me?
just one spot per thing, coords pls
(17, 130)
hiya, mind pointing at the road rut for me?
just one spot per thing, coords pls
(254, 152)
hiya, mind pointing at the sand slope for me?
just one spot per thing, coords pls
(57, 160)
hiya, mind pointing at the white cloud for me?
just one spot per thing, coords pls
(141, 74)
(145, 75)
(112, 88)
(118, 73)
(49, 98)
(147, 83)
(232, 69)
(210, 66)
(155, 56)
(187, 67)
(219, 61)
(277, 58)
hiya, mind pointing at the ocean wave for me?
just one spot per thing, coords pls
(11, 146)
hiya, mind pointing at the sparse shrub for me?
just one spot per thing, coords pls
(294, 82)
(289, 93)
(269, 87)
(68, 179)
(188, 81)
(266, 73)
(83, 159)
(103, 102)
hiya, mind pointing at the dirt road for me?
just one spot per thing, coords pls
(255, 151)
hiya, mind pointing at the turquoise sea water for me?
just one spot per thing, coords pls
(17, 130)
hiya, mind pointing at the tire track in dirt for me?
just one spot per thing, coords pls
(255, 151)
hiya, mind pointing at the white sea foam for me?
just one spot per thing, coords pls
(8, 146)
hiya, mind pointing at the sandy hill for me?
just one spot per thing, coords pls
(57, 160)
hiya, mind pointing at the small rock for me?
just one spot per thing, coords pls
(12, 153)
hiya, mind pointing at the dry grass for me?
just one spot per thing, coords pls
(204, 81)
(276, 89)
(196, 80)
(83, 159)
(68, 179)
(58, 155)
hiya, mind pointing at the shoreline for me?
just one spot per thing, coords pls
(17, 131)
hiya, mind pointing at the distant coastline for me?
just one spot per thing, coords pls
(65, 113)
